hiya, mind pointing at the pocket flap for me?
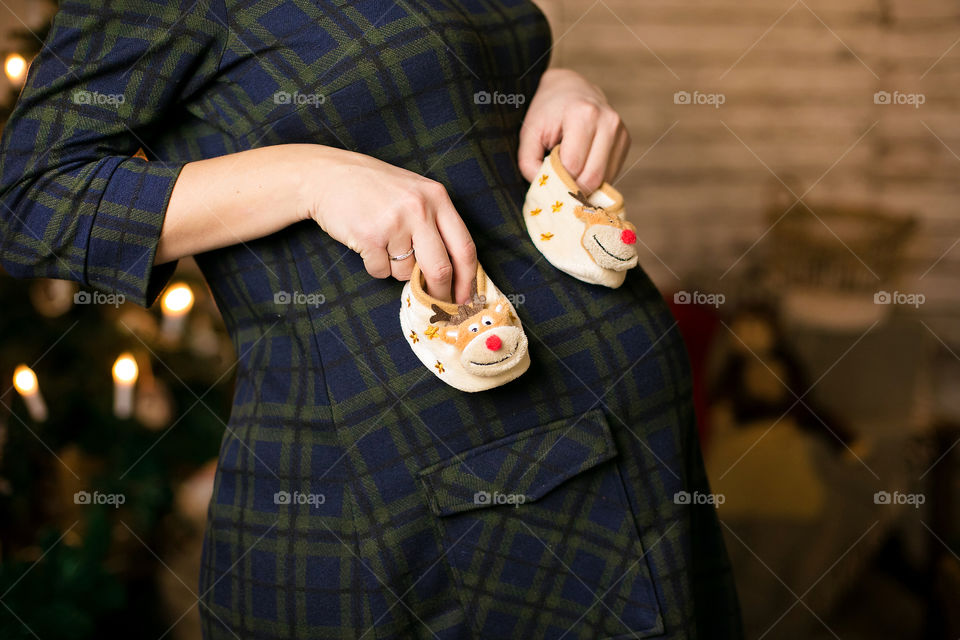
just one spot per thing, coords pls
(519, 468)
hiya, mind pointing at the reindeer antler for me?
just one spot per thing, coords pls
(464, 311)
(587, 206)
(439, 314)
(582, 199)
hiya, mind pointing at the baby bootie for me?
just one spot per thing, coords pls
(587, 237)
(472, 347)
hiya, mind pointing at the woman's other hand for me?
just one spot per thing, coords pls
(567, 108)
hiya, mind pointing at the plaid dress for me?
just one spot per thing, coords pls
(357, 496)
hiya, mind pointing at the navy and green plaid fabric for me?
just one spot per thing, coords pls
(356, 495)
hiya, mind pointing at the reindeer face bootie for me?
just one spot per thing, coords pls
(472, 347)
(586, 237)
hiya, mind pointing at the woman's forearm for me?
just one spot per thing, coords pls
(236, 198)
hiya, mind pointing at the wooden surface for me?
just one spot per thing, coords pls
(799, 80)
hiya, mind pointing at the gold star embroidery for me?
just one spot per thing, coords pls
(408, 301)
(543, 179)
(557, 206)
(438, 367)
(546, 236)
(414, 337)
(536, 212)
(431, 332)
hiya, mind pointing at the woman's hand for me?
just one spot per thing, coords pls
(568, 109)
(380, 210)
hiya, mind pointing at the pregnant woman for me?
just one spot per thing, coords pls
(295, 147)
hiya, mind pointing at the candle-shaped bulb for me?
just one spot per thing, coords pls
(178, 299)
(125, 374)
(176, 303)
(25, 382)
(125, 369)
(15, 66)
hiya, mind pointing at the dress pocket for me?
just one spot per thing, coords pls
(540, 537)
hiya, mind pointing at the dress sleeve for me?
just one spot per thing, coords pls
(74, 202)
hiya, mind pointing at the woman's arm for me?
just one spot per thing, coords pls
(374, 208)
(231, 199)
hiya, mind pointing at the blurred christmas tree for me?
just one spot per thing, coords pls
(87, 497)
(102, 498)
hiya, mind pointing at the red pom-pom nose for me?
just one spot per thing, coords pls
(628, 236)
(494, 343)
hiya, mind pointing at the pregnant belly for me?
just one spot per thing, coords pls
(590, 346)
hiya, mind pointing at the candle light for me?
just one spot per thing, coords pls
(125, 373)
(25, 382)
(177, 302)
(15, 66)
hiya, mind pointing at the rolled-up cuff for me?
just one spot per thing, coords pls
(126, 229)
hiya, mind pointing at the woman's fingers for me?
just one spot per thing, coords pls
(531, 152)
(579, 130)
(601, 150)
(460, 248)
(376, 261)
(398, 246)
(434, 261)
(619, 154)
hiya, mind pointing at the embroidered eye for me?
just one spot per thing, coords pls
(474, 327)
(487, 320)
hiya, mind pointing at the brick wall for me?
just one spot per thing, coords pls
(798, 82)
